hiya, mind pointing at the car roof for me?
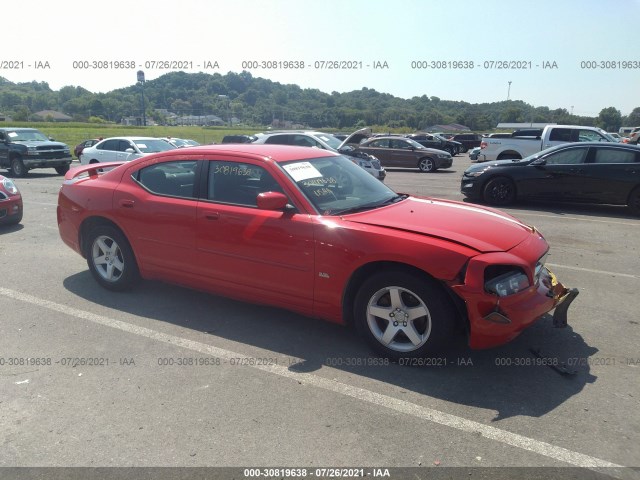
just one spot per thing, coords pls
(130, 138)
(278, 153)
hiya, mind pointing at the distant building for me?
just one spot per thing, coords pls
(51, 115)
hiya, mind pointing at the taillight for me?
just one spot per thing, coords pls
(483, 145)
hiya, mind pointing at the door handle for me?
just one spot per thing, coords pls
(212, 215)
(127, 203)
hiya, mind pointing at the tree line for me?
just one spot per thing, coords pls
(255, 101)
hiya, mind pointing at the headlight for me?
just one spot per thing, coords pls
(10, 186)
(508, 283)
(444, 155)
(67, 150)
(477, 173)
(32, 151)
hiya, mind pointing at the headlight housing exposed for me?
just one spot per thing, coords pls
(504, 280)
(9, 186)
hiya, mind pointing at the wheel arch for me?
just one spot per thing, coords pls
(365, 271)
(508, 154)
(89, 224)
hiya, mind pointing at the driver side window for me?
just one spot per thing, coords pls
(571, 156)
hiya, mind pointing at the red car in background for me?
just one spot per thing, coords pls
(77, 150)
(308, 230)
(10, 202)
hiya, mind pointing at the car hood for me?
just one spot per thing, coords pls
(497, 163)
(356, 137)
(480, 228)
(34, 143)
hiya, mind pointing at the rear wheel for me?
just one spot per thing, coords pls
(404, 315)
(17, 167)
(634, 202)
(110, 258)
(426, 164)
(499, 191)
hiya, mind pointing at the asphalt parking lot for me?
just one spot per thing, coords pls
(165, 376)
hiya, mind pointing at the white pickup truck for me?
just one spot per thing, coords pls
(523, 143)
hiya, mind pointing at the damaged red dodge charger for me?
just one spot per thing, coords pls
(309, 231)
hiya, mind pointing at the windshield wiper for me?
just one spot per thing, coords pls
(370, 206)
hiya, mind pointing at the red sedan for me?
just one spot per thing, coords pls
(309, 231)
(10, 202)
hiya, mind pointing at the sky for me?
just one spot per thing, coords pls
(451, 50)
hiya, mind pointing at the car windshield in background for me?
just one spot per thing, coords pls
(336, 186)
(153, 145)
(27, 136)
(414, 144)
(330, 140)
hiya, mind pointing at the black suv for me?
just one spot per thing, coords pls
(468, 140)
(22, 149)
(436, 141)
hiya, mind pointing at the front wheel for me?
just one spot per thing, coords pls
(403, 315)
(499, 191)
(110, 258)
(426, 164)
(17, 167)
(62, 170)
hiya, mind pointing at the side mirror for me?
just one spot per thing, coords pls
(130, 150)
(272, 201)
(539, 161)
(52, 139)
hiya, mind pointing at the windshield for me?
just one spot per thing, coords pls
(153, 145)
(330, 140)
(335, 185)
(27, 136)
(415, 144)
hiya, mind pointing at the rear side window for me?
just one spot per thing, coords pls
(109, 145)
(560, 135)
(279, 140)
(611, 155)
(175, 179)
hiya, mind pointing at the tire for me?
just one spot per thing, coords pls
(15, 220)
(426, 164)
(17, 167)
(62, 170)
(633, 203)
(111, 259)
(499, 191)
(465, 149)
(384, 307)
(451, 150)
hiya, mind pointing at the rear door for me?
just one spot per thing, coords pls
(610, 174)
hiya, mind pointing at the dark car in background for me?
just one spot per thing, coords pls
(77, 150)
(436, 141)
(393, 151)
(22, 149)
(239, 139)
(468, 140)
(588, 172)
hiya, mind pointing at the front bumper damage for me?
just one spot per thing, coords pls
(494, 320)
